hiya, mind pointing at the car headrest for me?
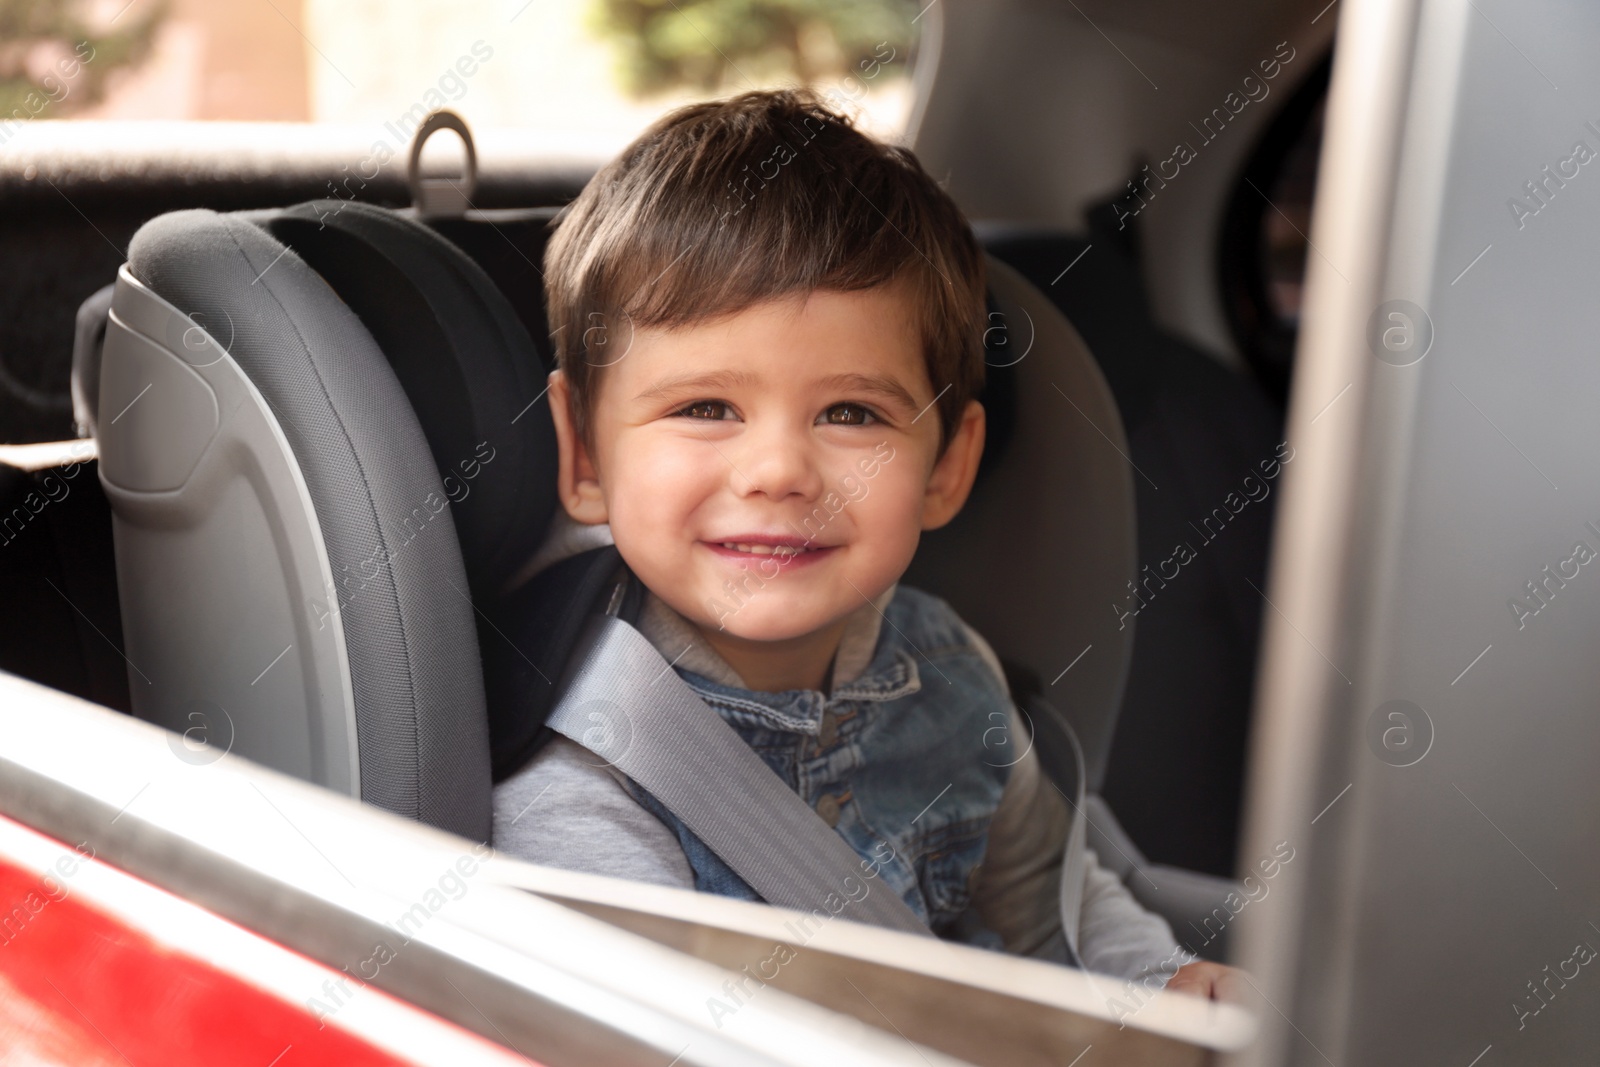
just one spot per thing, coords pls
(291, 581)
(1045, 546)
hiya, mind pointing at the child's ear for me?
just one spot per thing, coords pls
(955, 471)
(576, 481)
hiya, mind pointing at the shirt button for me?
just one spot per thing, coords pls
(829, 733)
(828, 808)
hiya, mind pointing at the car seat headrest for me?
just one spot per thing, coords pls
(1052, 522)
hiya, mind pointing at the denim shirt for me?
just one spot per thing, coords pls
(902, 760)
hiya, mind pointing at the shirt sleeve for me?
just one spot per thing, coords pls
(1116, 935)
(565, 809)
(1019, 881)
(1018, 890)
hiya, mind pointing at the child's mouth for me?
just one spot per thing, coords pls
(764, 550)
(785, 552)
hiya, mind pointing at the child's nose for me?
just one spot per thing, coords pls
(778, 464)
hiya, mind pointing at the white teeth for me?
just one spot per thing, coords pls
(763, 550)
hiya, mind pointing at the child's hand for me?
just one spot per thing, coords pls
(1214, 981)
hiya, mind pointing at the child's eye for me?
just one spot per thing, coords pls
(707, 409)
(849, 415)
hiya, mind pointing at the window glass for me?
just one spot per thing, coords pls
(602, 68)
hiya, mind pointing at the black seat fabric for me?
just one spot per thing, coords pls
(467, 364)
(508, 245)
(1195, 431)
(403, 603)
(539, 625)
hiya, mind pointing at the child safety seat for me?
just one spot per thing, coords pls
(290, 535)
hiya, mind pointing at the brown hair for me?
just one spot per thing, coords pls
(722, 205)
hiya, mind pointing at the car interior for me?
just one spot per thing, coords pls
(1280, 533)
(285, 390)
(276, 433)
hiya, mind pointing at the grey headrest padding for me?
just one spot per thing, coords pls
(408, 626)
(88, 335)
(1051, 527)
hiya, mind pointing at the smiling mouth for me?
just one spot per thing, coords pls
(766, 550)
(771, 554)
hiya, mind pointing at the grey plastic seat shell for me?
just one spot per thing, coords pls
(196, 552)
(291, 583)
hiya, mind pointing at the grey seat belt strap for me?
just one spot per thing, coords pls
(627, 705)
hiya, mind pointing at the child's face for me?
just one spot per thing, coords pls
(767, 473)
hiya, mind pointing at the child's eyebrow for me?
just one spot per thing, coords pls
(881, 384)
(710, 380)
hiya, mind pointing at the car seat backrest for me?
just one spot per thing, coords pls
(1212, 441)
(1045, 544)
(291, 581)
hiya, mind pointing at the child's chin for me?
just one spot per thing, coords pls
(770, 623)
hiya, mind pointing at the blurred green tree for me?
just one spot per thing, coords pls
(712, 45)
(55, 58)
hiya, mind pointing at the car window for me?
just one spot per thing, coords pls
(596, 68)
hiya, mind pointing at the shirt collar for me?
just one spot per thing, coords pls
(679, 641)
(676, 638)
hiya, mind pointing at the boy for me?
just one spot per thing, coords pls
(769, 334)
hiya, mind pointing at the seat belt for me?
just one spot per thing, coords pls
(626, 704)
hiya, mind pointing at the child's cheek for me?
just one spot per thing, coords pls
(888, 516)
(657, 482)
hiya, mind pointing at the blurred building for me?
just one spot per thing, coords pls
(217, 60)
